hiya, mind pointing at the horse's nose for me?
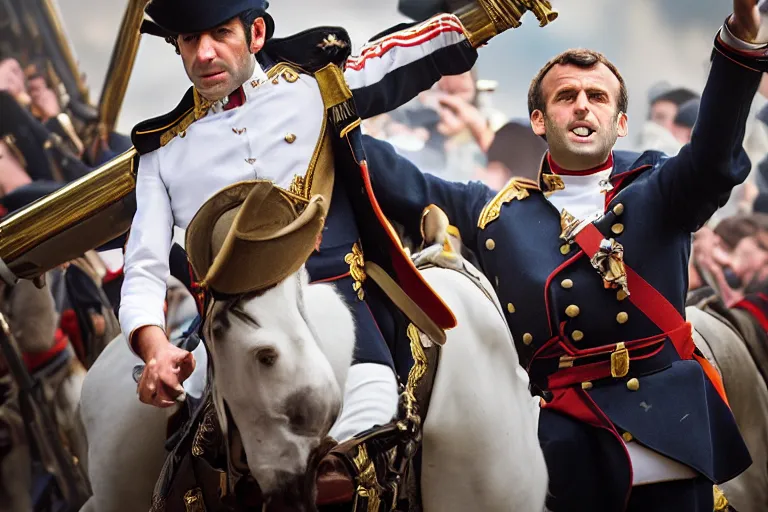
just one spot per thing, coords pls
(296, 493)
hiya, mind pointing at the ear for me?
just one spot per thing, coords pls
(623, 125)
(537, 123)
(258, 35)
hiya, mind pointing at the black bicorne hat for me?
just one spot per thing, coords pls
(173, 17)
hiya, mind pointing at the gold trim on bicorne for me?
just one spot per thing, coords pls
(516, 188)
(356, 263)
(368, 483)
(193, 500)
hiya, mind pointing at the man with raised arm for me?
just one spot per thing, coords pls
(589, 259)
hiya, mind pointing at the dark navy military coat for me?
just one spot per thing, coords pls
(655, 205)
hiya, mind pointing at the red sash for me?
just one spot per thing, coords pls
(657, 308)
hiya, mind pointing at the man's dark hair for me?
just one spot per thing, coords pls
(247, 18)
(582, 58)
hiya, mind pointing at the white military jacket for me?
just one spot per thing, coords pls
(271, 136)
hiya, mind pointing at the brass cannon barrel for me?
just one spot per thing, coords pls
(485, 19)
(59, 227)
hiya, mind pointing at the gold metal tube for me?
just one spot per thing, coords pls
(65, 224)
(121, 65)
(484, 19)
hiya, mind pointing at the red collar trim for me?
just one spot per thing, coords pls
(556, 169)
(236, 99)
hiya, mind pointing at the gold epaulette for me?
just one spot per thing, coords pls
(178, 128)
(516, 188)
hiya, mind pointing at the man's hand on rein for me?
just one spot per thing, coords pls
(167, 367)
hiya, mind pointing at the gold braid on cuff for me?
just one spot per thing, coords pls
(484, 19)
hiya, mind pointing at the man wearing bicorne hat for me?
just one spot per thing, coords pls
(590, 258)
(287, 110)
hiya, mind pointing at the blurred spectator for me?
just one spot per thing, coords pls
(515, 151)
(665, 101)
(682, 125)
(658, 132)
(442, 130)
(732, 258)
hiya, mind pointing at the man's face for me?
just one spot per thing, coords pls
(749, 260)
(12, 77)
(582, 121)
(663, 113)
(462, 85)
(219, 61)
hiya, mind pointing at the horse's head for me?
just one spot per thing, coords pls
(279, 387)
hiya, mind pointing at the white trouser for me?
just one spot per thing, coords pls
(370, 398)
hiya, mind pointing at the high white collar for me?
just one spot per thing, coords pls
(583, 195)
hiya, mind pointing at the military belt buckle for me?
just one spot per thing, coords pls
(620, 361)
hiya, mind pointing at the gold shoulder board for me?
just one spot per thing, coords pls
(516, 188)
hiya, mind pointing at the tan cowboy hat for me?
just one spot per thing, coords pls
(249, 237)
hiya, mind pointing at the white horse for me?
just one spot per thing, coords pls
(280, 360)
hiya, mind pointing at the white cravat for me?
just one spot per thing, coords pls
(583, 196)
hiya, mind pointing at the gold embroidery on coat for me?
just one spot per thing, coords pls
(193, 500)
(330, 41)
(417, 371)
(178, 129)
(356, 264)
(516, 188)
(205, 428)
(368, 486)
(552, 182)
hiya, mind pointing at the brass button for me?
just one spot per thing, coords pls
(183, 133)
(276, 81)
(511, 307)
(251, 161)
(572, 311)
(566, 283)
(490, 244)
(618, 209)
(586, 385)
(527, 338)
(565, 249)
(290, 138)
(622, 317)
(627, 437)
(617, 228)
(254, 83)
(577, 335)
(633, 384)
(621, 295)
(239, 131)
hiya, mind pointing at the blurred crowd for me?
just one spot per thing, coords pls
(43, 142)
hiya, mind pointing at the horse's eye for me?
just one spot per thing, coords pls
(267, 356)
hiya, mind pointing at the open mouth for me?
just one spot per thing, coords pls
(582, 132)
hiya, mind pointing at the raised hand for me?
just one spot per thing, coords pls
(744, 23)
